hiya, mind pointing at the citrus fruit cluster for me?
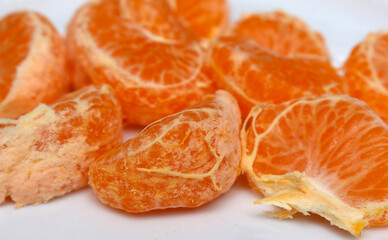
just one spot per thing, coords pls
(314, 139)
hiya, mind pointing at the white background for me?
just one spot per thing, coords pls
(80, 215)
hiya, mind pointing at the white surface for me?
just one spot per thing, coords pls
(80, 215)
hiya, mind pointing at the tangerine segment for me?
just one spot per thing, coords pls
(183, 160)
(326, 155)
(140, 49)
(32, 63)
(254, 75)
(282, 33)
(206, 18)
(47, 152)
(366, 72)
(79, 78)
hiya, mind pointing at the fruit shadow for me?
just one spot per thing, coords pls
(219, 202)
(314, 219)
(303, 220)
(7, 203)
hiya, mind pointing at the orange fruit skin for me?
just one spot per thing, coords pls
(46, 153)
(366, 72)
(254, 75)
(269, 31)
(183, 160)
(206, 18)
(32, 63)
(337, 141)
(140, 48)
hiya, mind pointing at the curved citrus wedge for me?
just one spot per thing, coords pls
(366, 72)
(183, 160)
(32, 63)
(254, 75)
(78, 76)
(142, 50)
(46, 153)
(206, 18)
(284, 34)
(326, 155)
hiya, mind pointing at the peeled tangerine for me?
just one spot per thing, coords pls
(326, 155)
(183, 160)
(46, 152)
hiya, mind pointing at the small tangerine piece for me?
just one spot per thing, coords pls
(46, 153)
(254, 75)
(366, 72)
(282, 33)
(183, 160)
(326, 155)
(32, 63)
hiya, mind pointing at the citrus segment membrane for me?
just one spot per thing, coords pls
(183, 160)
(46, 153)
(326, 155)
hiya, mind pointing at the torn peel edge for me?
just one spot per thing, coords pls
(294, 192)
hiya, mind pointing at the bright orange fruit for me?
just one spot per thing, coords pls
(326, 155)
(183, 160)
(47, 152)
(32, 63)
(254, 75)
(78, 76)
(366, 72)
(142, 49)
(206, 18)
(282, 33)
